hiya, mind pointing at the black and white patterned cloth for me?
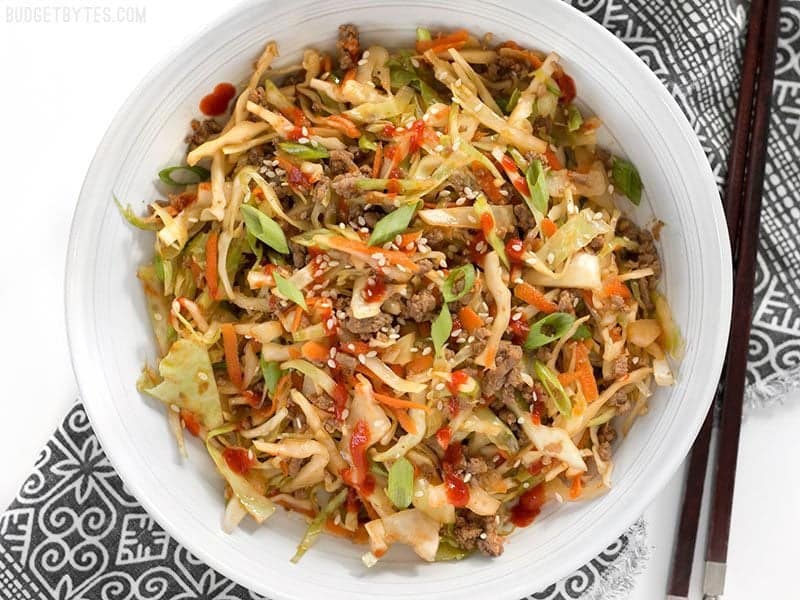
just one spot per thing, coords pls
(75, 533)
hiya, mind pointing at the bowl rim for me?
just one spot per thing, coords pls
(82, 368)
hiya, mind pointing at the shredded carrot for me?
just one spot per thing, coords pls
(548, 227)
(294, 352)
(584, 373)
(576, 488)
(351, 74)
(405, 421)
(204, 185)
(230, 345)
(442, 42)
(395, 257)
(409, 238)
(615, 287)
(469, 319)
(528, 293)
(376, 163)
(298, 318)
(419, 364)
(315, 351)
(566, 378)
(399, 403)
(552, 160)
(212, 276)
(587, 298)
(344, 125)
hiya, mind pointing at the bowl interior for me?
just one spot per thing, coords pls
(110, 335)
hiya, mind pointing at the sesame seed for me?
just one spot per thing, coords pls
(366, 54)
(526, 485)
(516, 316)
(610, 189)
(372, 354)
(250, 455)
(362, 62)
(635, 360)
(444, 193)
(175, 408)
(461, 201)
(551, 258)
(455, 333)
(332, 352)
(303, 140)
(438, 148)
(439, 387)
(342, 226)
(468, 190)
(415, 63)
(467, 477)
(520, 420)
(331, 363)
(483, 535)
(157, 316)
(559, 498)
(419, 493)
(362, 359)
(426, 350)
(304, 130)
(472, 219)
(345, 413)
(202, 376)
(470, 339)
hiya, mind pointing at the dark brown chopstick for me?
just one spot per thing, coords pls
(742, 206)
(683, 556)
(744, 278)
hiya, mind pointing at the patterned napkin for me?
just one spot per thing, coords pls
(74, 532)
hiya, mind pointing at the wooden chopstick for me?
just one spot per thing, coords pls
(739, 194)
(744, 279)
(683, 557)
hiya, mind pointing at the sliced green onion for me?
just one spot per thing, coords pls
(271, 370)
(264, 228)
(395, 222)
(465, 272)
(311, 151)
(521, 161)
(626, 179)
(253, 244)
(553, 388)
(582, 333)
(190, 175)
(548, 329)
(366, 145)
(441, 328)
(537, 185)
(423, 35)
(512, 101)
(401, 483)
(290, 290)
(318, 523)
(553, 88)
(574, 118)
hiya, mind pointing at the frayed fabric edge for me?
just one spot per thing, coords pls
(618, 580)
(773, 390)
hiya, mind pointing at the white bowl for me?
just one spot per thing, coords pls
(110, 336)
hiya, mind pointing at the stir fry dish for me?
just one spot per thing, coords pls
(395, 291)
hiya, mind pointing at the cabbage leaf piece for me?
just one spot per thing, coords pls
(188, 382)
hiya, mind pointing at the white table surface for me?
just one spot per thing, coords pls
(60, 85)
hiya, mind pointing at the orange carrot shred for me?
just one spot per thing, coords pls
(615, 287)
(231, 347)
(548, 227)
(528, 293)
(399, 403)
(419, 364)
(469, 319)
(298, 318)
(443, 42)
(376, 163)
(584, 373)
(405, 421)
(576, 488)
(315, 351)
(212, 276)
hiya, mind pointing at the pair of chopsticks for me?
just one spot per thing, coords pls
(743, 208)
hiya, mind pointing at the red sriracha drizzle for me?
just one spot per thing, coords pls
(357, 474)
(528, 507)
(519, 330)
(216, 103)
(340, 398)
(443, 437)
(375, 289)
(457, 379)
(456, 490)
(191, 422)
(567, 86)
(238, 459)
(515, 250)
